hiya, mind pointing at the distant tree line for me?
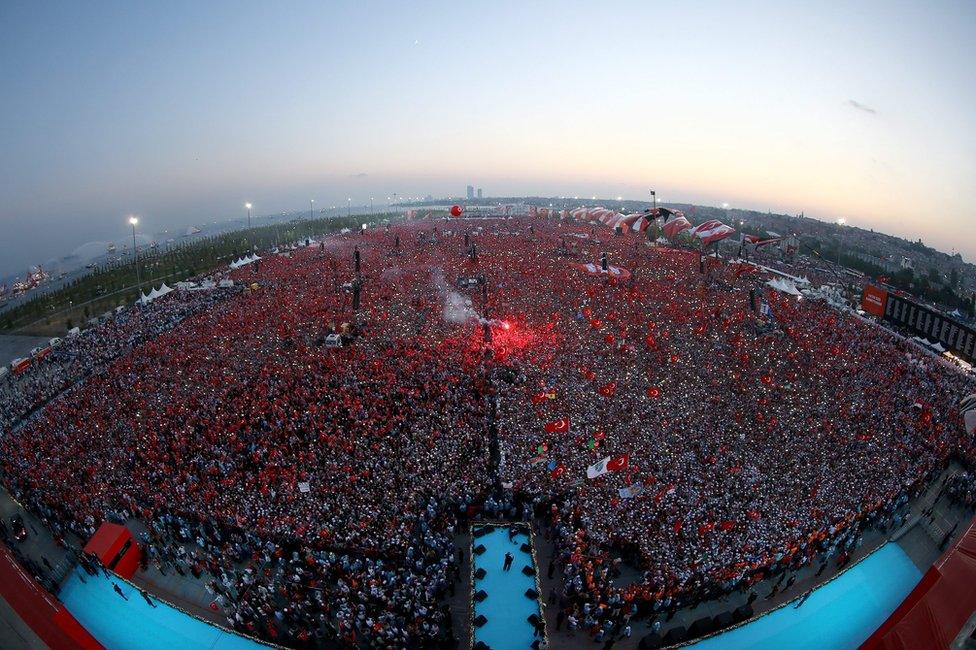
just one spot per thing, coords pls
(118, 283)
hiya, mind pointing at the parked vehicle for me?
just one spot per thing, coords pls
(17, 528)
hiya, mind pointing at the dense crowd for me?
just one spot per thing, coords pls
(74, 357)
(317, 490)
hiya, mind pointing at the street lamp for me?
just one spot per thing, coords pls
(349, 207)
(133, 221)
(311, 201)
(371, 205)
(248, 206)
(840, 245)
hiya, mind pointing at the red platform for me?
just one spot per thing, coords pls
(115, 546)
(934, 613)
(42, 612)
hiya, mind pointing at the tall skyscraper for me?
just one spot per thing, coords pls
(479, 192)
(470, 191)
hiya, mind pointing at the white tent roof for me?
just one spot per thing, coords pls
(784, 285)
(145, 299)
(250, 259)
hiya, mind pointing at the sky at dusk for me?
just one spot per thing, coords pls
(182, 111)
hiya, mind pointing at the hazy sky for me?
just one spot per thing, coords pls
(180, 112)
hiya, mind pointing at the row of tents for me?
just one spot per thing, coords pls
(145, 299)
(244, 261)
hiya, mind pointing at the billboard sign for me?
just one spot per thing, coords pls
(873, 300)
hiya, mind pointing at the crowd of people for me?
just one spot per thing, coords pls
(76, 356)
(317, 490)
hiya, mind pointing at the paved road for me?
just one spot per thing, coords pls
(15, 634)
(15, 345)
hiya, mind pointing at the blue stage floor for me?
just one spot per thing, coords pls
(120, 624)
(506, 608)
(841, 614)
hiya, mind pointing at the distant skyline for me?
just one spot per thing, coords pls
(183, 112)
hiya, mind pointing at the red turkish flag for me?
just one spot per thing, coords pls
(618, 463)
(607, 390)
(557, 426)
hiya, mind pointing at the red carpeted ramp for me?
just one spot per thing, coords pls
(938, 607)
(45, 615)
(116, 548)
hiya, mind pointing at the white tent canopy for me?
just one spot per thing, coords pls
(153, 294)
(784, 285)
(243, 261)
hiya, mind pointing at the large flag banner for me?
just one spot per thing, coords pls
(673, 226)
(557, 426)
(712, 231)
(631, 491)
(595, 269)
(539, 398)
(608, 464)
(641, 224)
(618, 463)
(598, 468)
(759, 242)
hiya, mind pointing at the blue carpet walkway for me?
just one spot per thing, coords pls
(841, 614)
(120, 624)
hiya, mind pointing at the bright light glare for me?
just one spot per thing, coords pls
(133, 220)
(247, 205)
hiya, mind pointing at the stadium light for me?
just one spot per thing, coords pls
(133, 221)
(248, 206)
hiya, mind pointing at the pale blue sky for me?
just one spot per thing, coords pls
(181, 111)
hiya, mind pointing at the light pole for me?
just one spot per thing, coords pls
(349, 207)
(371, 205)
(310, 208)
(248, 206)
(654, 198)
(135, 254)
(840, 245)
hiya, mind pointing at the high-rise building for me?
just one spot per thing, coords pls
(479, 192)
(470, 191)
